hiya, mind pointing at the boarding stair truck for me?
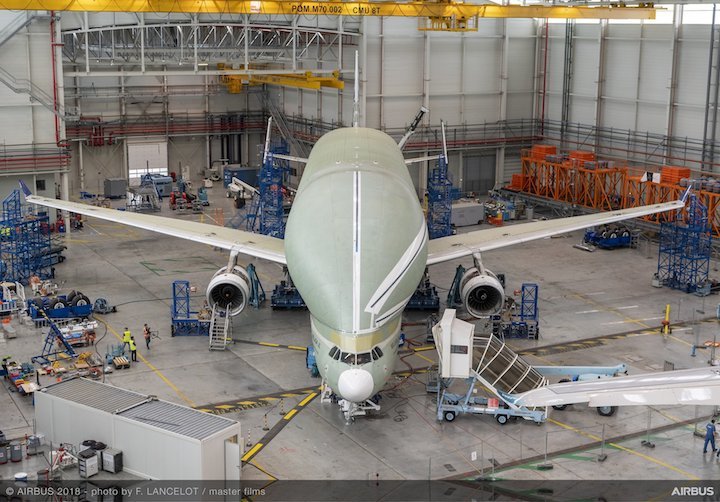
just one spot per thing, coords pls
(487, 361)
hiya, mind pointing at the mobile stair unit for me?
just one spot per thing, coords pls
(483, 360)
(220, 329)
(487, 361)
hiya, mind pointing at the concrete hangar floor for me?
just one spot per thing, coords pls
(595, 308)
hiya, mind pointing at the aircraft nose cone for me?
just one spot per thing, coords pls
(355, 385)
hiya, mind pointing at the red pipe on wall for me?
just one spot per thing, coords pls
(544, 86)
(54, 76)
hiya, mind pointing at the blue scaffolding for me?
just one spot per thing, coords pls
(25, 244)
(529, 302)
(685, 248)
(439, 200)
(185, 321)
(266, 215)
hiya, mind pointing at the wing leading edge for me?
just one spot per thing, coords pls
(260, 246)
(692, 386)
(458, 246)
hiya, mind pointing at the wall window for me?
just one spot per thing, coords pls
(40, 185)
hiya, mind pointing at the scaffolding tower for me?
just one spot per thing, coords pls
(25, 244)
(685, 248)
(439, 200)
(266, 215)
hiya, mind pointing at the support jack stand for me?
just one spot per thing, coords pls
(352, 410)
(326, 393)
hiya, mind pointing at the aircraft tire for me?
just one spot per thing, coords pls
(606, 411)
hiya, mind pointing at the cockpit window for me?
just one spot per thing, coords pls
(376, 353)
(363, 358)
(347, 358)
(333, 351)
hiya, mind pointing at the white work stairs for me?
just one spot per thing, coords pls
(499, 368)
(219, 330)
(485, 357)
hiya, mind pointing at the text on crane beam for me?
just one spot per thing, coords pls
(334, 10)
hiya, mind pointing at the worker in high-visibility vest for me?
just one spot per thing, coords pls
(133, 350)
(127, 338)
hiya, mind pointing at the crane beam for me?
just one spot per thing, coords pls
(447, 9)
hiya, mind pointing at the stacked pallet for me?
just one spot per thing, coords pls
(673, 174)
(539, 152)
(517, 182)
(580, 157)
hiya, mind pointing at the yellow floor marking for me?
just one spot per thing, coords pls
(225, 406)
(269, 398)
(668, 416)
(246, 403)
(269, 344)
(290, 414)
(307, 399)
(627, 450)
(257, 466)
(426, 358)
(203, 409)
(421, 349)
(681, 341)
(77, 241)
(290, 395)
(151, 366)
(251, 452)
(296, 347)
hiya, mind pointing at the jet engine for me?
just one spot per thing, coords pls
(229, 290)
(482, 293)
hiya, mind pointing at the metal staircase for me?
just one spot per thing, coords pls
(500, 368)
(279, 120)
(219, 329)
(53, 337)
(25, 18)
(25, 86)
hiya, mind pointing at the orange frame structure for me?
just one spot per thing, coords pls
(598, 186)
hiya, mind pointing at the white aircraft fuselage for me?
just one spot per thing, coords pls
(356, 248)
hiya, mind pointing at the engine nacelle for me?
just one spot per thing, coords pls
(229, 290)
(482, 294)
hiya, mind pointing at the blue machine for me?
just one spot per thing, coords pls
(311, 363)
(244, 173)
(609, 237)
(286, 296)
(203, 196)
(60, 307)
(425, 296)
(522, 324)
(185, 321)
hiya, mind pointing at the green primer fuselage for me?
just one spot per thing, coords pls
(356, 248)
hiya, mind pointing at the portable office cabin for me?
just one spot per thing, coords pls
(159, 439)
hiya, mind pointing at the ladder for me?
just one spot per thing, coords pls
(52, 337)
(219, 329)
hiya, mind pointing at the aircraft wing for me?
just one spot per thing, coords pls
(693, 386)
(260, 246)
(457, 246)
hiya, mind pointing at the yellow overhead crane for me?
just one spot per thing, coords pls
(305, 80)
(442, 15)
